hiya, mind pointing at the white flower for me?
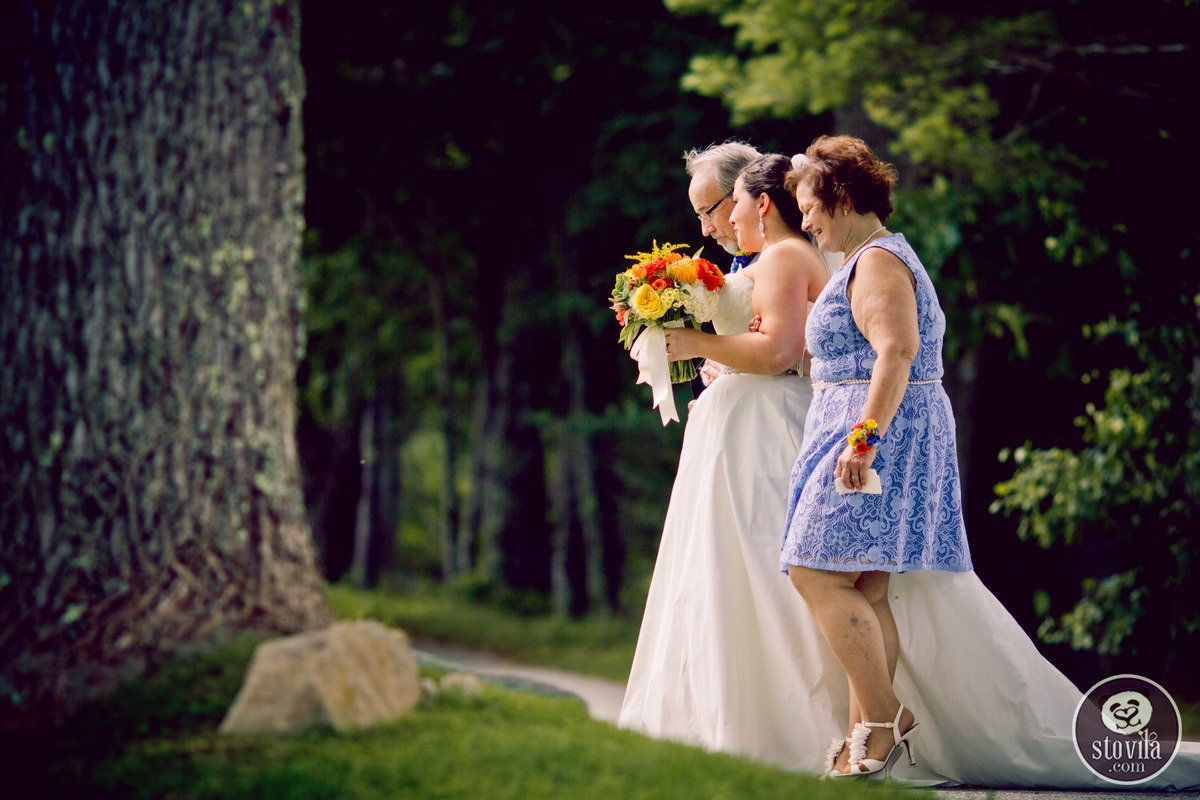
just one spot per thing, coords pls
(699, 302)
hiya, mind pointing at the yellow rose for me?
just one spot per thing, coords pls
(647, 302)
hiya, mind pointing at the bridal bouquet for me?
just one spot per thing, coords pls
(663, 289)
(666, 289)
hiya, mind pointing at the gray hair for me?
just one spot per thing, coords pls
(727, 159)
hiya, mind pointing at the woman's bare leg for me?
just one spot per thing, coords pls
(874, 587)
(861, 640)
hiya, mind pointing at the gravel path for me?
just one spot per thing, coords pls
(602, 697)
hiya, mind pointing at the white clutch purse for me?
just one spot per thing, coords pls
(871, 486)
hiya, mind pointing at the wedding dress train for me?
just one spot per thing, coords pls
(993, 711)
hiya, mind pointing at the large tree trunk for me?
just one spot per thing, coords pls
(150, 211)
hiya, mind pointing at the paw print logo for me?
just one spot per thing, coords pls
(1127, 713)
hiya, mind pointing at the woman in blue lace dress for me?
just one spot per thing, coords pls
(890, 503)
(874, 539)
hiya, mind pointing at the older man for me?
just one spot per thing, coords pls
(713, 172)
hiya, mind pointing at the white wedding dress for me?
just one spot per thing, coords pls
(729, 658)
(993, 711)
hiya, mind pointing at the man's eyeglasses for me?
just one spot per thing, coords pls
(706, 215)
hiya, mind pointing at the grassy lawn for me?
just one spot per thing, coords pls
(157, 739)
(600, 647)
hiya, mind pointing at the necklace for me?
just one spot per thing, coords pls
(861, 245)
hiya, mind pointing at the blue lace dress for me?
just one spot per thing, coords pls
(916, 523)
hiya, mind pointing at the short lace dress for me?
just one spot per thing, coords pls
(916, 523)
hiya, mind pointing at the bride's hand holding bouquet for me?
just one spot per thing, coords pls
(663, 289)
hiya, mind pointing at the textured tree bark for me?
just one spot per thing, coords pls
(151, 188)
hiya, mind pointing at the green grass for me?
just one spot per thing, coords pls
(1189, 714)
(600, 647)
(157, 739)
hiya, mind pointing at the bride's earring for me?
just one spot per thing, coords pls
(762, 228)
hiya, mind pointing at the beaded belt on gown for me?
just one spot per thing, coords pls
(726, 370)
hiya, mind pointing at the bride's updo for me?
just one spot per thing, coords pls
(766, 175)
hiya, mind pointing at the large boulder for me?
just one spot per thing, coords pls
(347, 676)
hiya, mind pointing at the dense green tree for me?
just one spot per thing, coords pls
(1128, 502)
(478, 170)
(150, 214)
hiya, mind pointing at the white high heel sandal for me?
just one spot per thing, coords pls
(835, 750)
(860, 765)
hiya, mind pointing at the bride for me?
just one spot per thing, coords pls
(727, 651)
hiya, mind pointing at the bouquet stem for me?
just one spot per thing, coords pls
(683, 371)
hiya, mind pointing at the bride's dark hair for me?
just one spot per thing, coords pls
(765, 175)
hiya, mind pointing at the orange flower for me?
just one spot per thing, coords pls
(655, 268)
(661, 283)
(710, 274)
(686, 270)
(621, 316)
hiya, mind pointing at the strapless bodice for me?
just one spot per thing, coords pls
(734, 310)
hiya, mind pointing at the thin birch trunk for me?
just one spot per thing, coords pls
(447, 518)
(364, 515)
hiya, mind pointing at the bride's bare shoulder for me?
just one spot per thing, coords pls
(792, 253)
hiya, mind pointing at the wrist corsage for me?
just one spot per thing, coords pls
(864, 436)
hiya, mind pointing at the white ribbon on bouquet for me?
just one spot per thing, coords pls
(650, 352)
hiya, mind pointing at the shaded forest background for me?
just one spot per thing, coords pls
(417, 210)
(478, 169)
